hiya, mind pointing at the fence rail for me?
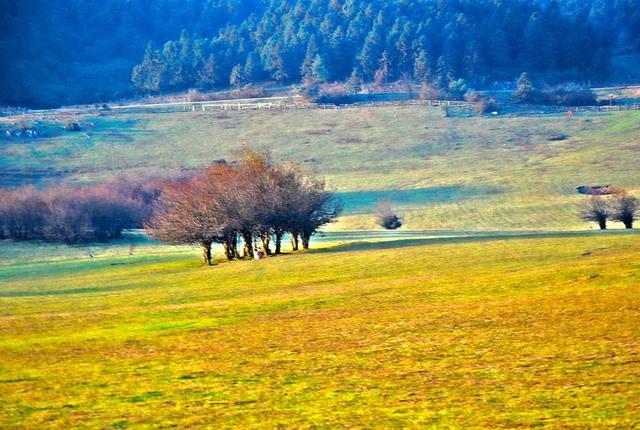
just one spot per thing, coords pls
(287, 103)
(282, 106)
(428, 103)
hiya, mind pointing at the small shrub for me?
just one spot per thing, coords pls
(457, 89)
(429, 92)
(72, 126)
(482, 104)
(386, 216)
(569, 97)
(334, 94)
(194, 95)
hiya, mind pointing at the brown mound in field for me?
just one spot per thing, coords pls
(598, 190)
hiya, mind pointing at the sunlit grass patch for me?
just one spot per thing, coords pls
(502, 332)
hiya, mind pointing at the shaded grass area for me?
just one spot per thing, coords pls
(500, 172)
(504, 333)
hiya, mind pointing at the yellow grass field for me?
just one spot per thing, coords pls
(450, 333)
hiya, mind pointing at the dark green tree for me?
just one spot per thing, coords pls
(319, 71)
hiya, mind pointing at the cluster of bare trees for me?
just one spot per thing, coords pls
(620, 207)
(254, 200)
(73, 214)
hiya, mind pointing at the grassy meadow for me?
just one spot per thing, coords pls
(449, 333)
(460, 172)
(470, 317)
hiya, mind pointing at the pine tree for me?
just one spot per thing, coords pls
(148, 75)
(236, 78)
(525, 92)
(208, 75)
(443, 73)
(384, 65)
(370, 53)
(309, 58)
(252, 68)
(354, 83)
(421, 67)
(319, 71)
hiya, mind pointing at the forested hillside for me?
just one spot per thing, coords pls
(67, 51)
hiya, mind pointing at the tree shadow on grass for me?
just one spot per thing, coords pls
(471, 238)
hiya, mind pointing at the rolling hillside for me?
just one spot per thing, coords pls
(460, 172)
(453, 333)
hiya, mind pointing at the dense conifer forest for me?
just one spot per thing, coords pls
(71, 51)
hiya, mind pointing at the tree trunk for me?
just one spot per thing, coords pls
(294, 240)
(247, 238)
(603, 224)
(229, 245)
(266, 241)
(228, 250)
(278, 242)
(305, 240)
(234, 245)
(206, 252)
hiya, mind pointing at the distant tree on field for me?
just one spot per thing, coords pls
(625, 209)
(386, 216)
(315, 207)
(596, 209)
(186, 214)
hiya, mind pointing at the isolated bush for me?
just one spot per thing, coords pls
(457, 89)
(386, 216)
(483, 104)
(72, 126)
(194, 95)
(337, 94)
(429, 92)
(246, 92)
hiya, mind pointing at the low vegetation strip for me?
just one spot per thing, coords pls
(524, 332)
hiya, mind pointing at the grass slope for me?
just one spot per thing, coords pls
(478, 333)
(443, 173)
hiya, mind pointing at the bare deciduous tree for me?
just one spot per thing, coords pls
(596, 209)
(71, 214)
(625, 209)
(255, 199)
